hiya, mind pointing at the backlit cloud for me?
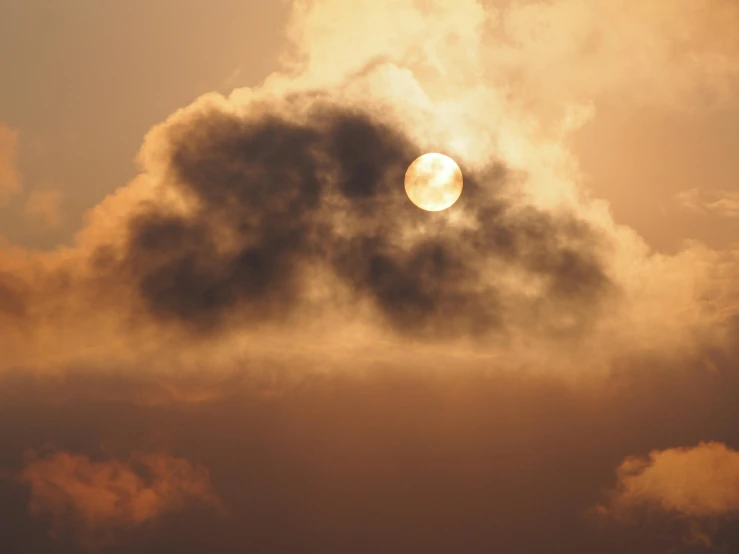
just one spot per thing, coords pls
(700, 481)
(282, 205)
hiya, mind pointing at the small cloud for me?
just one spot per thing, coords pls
(700, 482)
(10, 179)
(232, 77)
(92, 501)
(697, 487)
(721, 203)
(45, 207)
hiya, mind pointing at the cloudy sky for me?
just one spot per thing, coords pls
(225, 328)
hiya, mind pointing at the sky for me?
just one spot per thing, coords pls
(224, 327)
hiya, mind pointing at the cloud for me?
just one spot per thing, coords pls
(264, 294)
(93, 501)
(552, 52)
(10, 179)
(422, 456)
(719, 203)
(291, 211)
(690, 491)
(214, 240)
(657, 53)
(699, 482)
(281, 208)
(45, 207)
(276, 195)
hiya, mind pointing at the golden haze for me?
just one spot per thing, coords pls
(258, 340)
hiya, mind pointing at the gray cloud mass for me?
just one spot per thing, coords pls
(325, 190)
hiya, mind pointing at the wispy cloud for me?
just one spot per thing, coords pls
(720, 203)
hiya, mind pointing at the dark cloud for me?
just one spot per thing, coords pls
(308, 183)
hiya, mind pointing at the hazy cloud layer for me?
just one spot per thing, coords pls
(92, 500)
(427, 461)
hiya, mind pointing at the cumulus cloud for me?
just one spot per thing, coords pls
(10, 179)
(700, 482)
(281, 207)
(93, 501)
(294, 210)
(278, 195)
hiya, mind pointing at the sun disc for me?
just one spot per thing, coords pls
(433, 182)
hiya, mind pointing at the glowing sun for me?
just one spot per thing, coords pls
(433, 182)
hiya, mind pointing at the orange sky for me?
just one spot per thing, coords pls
(222, 323)
(72, 63)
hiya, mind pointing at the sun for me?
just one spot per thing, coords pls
(433, 182)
